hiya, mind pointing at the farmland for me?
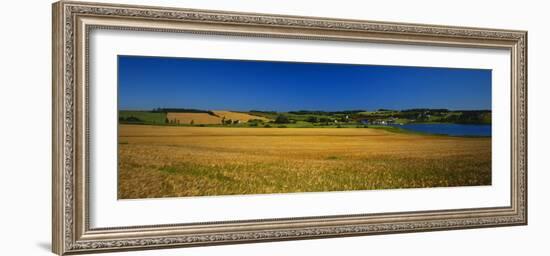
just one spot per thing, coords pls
(192, 118)
(188, 117)
(302, 118)
(216, 117)
(242, 117)
(174, 161)
(141, 117)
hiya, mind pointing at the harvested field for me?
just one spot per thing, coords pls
(243, 117)
(169, 161)
(192, 118)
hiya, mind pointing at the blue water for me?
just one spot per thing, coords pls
(450, 129)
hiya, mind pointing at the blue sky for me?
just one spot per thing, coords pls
(152, 82)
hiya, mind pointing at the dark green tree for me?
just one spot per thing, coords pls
(282, 119)
(325, 120)
(312, 119)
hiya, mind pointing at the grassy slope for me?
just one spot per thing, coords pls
(146, 116)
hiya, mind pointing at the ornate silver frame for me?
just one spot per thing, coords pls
(72, 21)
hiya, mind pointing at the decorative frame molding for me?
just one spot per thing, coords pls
(72, 22)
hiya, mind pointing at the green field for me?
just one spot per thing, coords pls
(141, 117)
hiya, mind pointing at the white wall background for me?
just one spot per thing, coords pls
(25, 140)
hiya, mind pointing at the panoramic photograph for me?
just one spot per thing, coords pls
(213, 127)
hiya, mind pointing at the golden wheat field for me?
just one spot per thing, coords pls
(243, 117)
(172, 161)
(193, 118)
(205, 118)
